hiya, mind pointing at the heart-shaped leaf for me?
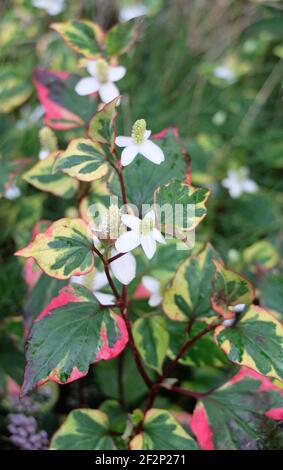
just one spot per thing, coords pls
(83, 159)
(84, 37)
(256, 341)
(64, 250)
(41, 176)
(71, 333)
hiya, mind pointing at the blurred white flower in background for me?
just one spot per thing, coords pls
(12, 192)
(139, 143)
(153, 286)
(224, 72)
(238, 182)
(52, 7)
(219, 118)
(102, 77)
(132, 11)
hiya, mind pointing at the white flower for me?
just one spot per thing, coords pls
(224, 72)
(124, 268)
(53, 7)
(132, 11)
(43, 153)
(99, 282)
(102, 77)
(239, 308)
(143, 232)
(238, 182)
(153, 286)
(12, 192)
(139, 143)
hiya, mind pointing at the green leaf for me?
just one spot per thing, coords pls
(14, 91)
(101, 125)
(64, 250)
(41, 177)
(143, 177)
(272, 292)
(85, 37)
(162, 432)
(11, 361)
(192, 200)
(188, 295)
(256, 341)
(229, 289)
(41, 294)
(71, 333)
(118, 418)
(121, 37)
(152, 339)
(203, 353)
(83, 159)
(84, 429)
(233, 417)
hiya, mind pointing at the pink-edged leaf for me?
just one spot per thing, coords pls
(71, 333)
(64, 108)
(238, 415)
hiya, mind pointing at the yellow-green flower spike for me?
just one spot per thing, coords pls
(48, 140)
(102, 69)
(138, 131)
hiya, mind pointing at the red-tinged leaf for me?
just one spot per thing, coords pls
(238, 415)
(64, 109)
(71, 333)
(229, 289)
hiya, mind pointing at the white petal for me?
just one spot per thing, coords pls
(105, 299)
(131, 221)
(150, 215)
(249, 186)
(128, 155)
(91, 67)
(100, 280)
(149, 245)
(123, 141)
(96, 240)
(108, 91)
(229, 322)
(155, 300)
(116, 73)
(239, 308)
(152, 152)
(158, 236)
(151, 283)
(43, 154)
(127, 241)
(77, 280)
(147, 134)
(86, 86)
(124, 268)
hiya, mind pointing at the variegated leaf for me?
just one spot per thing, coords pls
(83, 159)
(71, 333)
(229, 289)
(152, 339)
(42, 177)
(192, 202)
(101, 125)
(84, 429)
(64, 250)
(84, 36)
(161, 431)
(120, 38)
(238, 416)
(256, 341)
(14, 90)
(188, 295)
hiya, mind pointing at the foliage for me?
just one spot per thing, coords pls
(151, 328)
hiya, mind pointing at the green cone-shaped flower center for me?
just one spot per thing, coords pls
(138, 131)
(102, 69)
(48, 140)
